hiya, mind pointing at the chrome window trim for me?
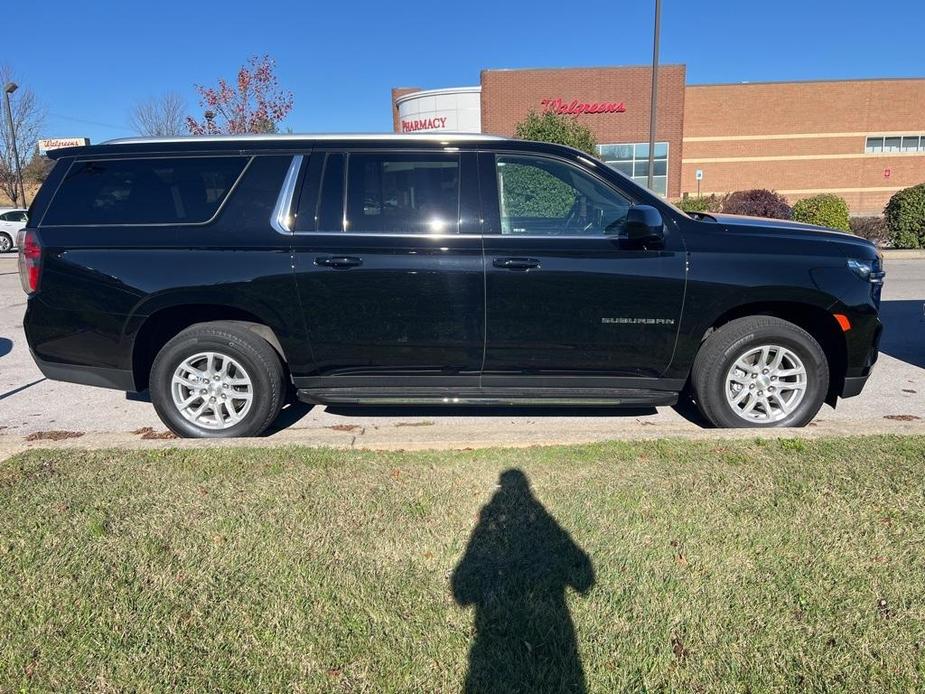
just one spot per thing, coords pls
(281, 217)
(210, 220)
(384, 234)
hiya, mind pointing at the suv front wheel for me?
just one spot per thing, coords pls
(217, 380)
(760, 371)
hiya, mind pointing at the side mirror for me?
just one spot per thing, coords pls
(644, 224)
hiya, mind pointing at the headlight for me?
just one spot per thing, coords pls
(869, 270)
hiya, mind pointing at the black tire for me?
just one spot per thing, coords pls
(6, 242)
(255, 354)
(727, 344)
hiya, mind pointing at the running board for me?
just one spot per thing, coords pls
(540, 397)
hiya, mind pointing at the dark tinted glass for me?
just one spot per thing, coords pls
(542, 196)
(307, 208)
(331, 203)
(144, 191)
(403, 193)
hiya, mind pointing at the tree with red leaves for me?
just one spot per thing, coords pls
(254, 104)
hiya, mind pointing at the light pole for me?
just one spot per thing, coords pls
(7, 90)
(654, 100)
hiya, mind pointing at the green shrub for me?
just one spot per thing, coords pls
(560, 130)
(532, 192)
(871, 228)
(825, 210)
(905, 217)
(700, 204)
(757, 202)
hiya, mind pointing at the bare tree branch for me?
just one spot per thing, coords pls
(28, 121)
(160, 116)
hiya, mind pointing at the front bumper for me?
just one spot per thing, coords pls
(863, 352)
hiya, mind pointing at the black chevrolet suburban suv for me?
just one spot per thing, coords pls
(227, 274)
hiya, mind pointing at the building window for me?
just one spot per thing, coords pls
(895, 143)
(633, 160)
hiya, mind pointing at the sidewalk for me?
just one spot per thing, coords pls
(903, 253)
(438, 435)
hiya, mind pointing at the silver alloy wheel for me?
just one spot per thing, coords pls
(6, 243)
(212, 390)
(765, 384)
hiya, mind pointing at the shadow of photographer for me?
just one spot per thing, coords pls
(515, 571)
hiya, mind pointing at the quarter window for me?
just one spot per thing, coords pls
(144, 191)
(633, 161)
(402, 193)
(547, 197)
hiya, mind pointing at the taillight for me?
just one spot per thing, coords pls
(30, 260)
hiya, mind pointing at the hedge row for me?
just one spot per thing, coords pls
(903, 224)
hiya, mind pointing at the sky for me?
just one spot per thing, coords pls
(89, 62)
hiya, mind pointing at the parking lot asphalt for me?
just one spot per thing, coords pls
(893, 401)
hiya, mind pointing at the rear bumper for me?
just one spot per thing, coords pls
(119, 379)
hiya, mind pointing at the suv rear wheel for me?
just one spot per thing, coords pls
(216, 380)
(760, 371)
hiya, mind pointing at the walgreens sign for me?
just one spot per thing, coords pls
(413, 126)
(576, 107)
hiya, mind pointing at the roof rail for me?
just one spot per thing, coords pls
(303, 137)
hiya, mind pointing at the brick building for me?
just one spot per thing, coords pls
(861, 139)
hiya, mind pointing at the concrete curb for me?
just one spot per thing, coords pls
(437, 438)
(903, 253)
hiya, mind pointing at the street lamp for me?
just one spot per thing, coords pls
(654, 102)
(7, 90)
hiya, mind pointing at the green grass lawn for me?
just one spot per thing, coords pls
(667, 565)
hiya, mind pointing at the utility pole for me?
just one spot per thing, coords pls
(7, 90)
(654, 100)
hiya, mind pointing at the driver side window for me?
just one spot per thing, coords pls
(540, 196)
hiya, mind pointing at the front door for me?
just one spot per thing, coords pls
(570, 302)
(389, 268)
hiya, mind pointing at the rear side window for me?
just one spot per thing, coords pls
(15, 216)
(403, 193)
(144, 191)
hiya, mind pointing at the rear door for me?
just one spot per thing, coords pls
(12, 221)
(570, 301)
(389, 267)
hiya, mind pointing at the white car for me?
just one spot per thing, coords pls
(12, 219)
